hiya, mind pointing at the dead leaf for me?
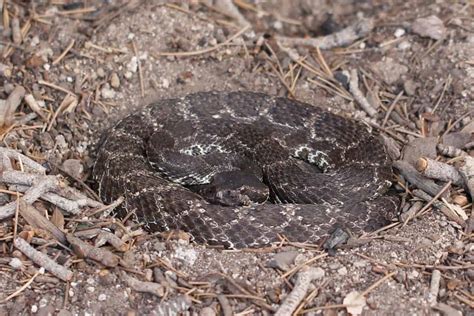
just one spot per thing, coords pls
(58, 219)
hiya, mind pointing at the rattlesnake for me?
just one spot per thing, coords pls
(244, 169)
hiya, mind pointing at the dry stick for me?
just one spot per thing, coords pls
(289, 272)
(31, 195)
(299, 291)
(142, 286)
(226, 308)
(376, 284)
(56, 87)
(107, 237)
(206, 50)
(434, 287)
(344, 37)
(36, 220)
(140, 73)
(16, 31)
(445, 87)
(13, 154)
(450, 151)
(467, 172)
(34, 106)
(23, 287)
(391, 107)
(68, 101)
(231, 10)
(84, 250)
(42, 260)
(434, 199)
(438, 170)
(415, 178)
(358, 95)
(11, 104)
(64, 53)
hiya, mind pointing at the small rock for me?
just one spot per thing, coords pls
(165, 83)
(360, 263)
(283, 260)
(389, 70)
(207, 311)
(15, 263)
(90, 289)
(114, 80)
(431, 26)
(102, 297)
(399, 32)
(410, 87)
(100, 72)
(342, 271)
(73, 167)
(128, 75)
(132, 65)
(106, 92)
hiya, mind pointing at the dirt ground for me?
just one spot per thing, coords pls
(108, 56)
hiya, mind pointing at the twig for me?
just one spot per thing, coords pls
(42, 260)
(358, 95)
(226, 308)
(344, 37)
(299, 291)
(206, 50)
(140, 72)
(434, 287)
(142, 286)
(64, 53)
(391, 107)
(84, 250)
(415, 178)
(36, 220)
(8, 108)
(31, 195)
(23, 287)
(30, 100)
(56, 87)
(438, 170)
(434, 199)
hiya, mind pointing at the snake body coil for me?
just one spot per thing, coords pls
(240, 168)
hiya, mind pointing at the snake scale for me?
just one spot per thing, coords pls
(242, 169)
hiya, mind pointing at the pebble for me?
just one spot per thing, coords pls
(431, 26)
(132, 65)
(106, 92)
(100, 72)
(165, 83)
(73, 167)
(342, 271)
(15, 263)
(283, 260)
(410, 87)
(114, 80)
(102, 297)
(399, 32)
(389, 70)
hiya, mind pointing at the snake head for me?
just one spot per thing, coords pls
(234, 188)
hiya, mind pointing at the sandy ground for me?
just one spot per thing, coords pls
(115, 65)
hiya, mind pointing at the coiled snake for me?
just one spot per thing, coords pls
(241, 168)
